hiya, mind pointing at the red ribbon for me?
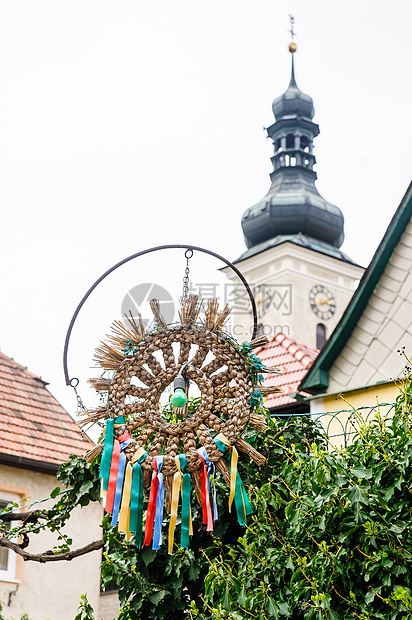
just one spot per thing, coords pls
(114, 466)
(151, 508)
(204, 486)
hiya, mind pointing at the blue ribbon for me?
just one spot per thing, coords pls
(119, 482)
(157, 531)
(210, 472)
(211, 469)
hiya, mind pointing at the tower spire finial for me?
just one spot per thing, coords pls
(292, 24)
(292, 49)
(292, 44)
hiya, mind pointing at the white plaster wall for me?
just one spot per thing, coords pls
(52, 591)
(109, 606)
(370, 353)
(289, 264)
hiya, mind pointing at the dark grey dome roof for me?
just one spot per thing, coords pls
(293, 205)
(293, 101)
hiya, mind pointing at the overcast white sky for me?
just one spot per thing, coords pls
(125, 125)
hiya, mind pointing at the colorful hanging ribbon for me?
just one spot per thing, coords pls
(124, 515)
(186, 524)
(116, 462)
(115, 489)
(205, 489)
(177, 481)
(157, 533)
(151, 508)
(237, 489)
(181, 481)
(106, 459)
(136, 496)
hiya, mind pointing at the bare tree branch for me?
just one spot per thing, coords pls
(32, 516)
(49, 556)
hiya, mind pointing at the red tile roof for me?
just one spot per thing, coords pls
(293, 358)
(33, 424)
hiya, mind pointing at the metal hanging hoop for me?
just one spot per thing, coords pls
(74, 381)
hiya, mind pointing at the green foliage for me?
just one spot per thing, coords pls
(85, 610)
(155, 585)
(84, 487)
(330, 536)
(23, 617)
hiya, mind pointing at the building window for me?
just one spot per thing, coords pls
(290, 141)
(8, 559)
(320, 335)
(304, 144)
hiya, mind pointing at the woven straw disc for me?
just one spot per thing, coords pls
(224, 383)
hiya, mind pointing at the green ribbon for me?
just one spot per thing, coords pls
(222, 447)
(186, 495)
(106, 460)
(243, 507)
(136, 501)
(107, 453)
(242, 504)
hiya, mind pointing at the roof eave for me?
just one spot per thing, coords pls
(31, 464)
(343, 258)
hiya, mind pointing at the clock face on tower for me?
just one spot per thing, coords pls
(322, 302)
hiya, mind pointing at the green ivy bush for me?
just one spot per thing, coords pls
(330, 537)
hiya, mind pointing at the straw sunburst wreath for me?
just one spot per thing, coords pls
(142, 445)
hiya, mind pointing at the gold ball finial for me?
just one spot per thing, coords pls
(292, 48)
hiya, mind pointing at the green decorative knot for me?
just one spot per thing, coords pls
(130, 348)
(256, 362)
(245, 347)
(256, 398)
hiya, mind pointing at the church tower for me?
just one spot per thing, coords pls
(301, 279)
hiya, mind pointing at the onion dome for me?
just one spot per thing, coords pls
(293, 101)
(293, 206)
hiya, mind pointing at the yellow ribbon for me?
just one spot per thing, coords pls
(103, 493)
(125, 506)
(136, 456)
(177, 483)
(124, 515)
(233, 466)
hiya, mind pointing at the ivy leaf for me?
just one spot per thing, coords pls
(369, 596)
(388, 493)
(397, 528)
(157, 597)
(284, 608)
(361, 472)
(148, 555)
(86, 486)
(55, 492)
(226, 600)
(242, 598)
(272, 608)
(357, 495)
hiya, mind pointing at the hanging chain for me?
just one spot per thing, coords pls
(188, 255)
(81, 408)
